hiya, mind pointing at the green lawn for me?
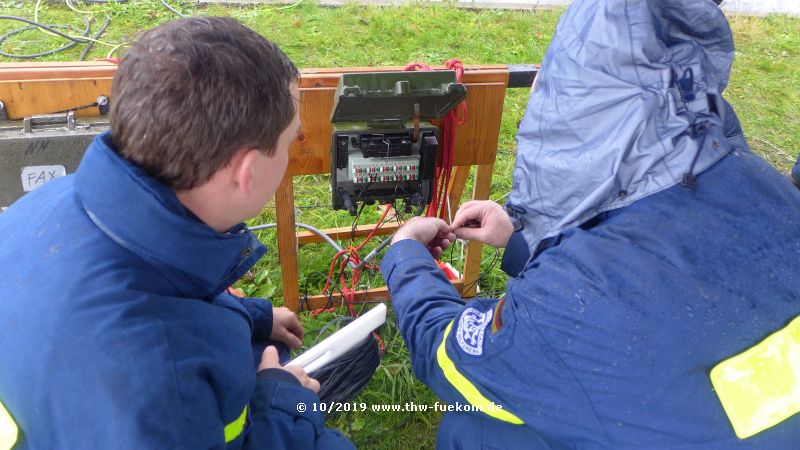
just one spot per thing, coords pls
(764, 89)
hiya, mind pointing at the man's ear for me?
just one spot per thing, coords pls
(243, 166)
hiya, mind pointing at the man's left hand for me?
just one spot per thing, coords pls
(286, 328)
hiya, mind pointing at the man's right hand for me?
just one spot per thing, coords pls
(432, 232)
(270, 360)
(484, 221)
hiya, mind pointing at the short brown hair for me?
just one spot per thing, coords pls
(192, 92)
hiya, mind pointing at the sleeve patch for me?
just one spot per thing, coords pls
(472, 329)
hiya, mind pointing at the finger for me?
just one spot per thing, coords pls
(436, 252)
(290, 339)
(295, 327)
(465, 214)
(298, 373)
(469, 234)
(312, 384)
(435, 243)
(269, 358)
(470, 203)
(441, 225)
(303, 377)
(450, 235)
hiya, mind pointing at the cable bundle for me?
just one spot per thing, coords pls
(342, 380)
(84, 38)
(350, 255)
(444, 165)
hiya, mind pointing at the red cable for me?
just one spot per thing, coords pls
(377, 225)
(348, 293)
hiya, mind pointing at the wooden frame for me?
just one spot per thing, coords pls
(28, 89)
(476, 145)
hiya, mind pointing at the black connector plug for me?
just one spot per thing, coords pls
(348, 201)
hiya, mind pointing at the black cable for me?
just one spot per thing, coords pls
(304, 298)
(164, 2)
(88, 48)
(354, 226)
(468, 286)
(363, 204)
(76, 108)
(51, 28)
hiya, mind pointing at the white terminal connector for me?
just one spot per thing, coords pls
(376, 170)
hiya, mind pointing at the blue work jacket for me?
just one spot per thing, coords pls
(606, 337)
(116, 329)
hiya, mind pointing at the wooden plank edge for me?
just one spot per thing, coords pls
(367, 296)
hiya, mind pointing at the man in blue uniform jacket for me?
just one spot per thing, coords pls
(116, 327)
(656, 268)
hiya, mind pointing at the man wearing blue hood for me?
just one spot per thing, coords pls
(117, 330)
(656, 303)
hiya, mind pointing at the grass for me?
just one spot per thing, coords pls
(764, 90)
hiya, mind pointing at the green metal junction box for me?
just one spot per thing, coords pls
(383, 146)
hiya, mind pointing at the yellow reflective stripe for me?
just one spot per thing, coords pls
(8, 429)
(234, 429)
(760, 387)
(468, 390)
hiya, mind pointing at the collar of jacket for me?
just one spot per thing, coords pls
(144, 216)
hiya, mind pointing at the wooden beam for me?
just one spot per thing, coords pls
(56, 70)
(27, 98)
(287, 243)
(344, 233)
(329, 77)
(369, 295)
(477, 139)
(458, 182)
(472, 259)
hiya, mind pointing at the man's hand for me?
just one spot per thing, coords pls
(434, 233)
(286, 328)
(484, 221)
(269, 360)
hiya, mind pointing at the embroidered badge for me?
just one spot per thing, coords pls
(471, 329)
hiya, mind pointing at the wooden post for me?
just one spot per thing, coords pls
(456, 189)
(287, 243)
(472, 260)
